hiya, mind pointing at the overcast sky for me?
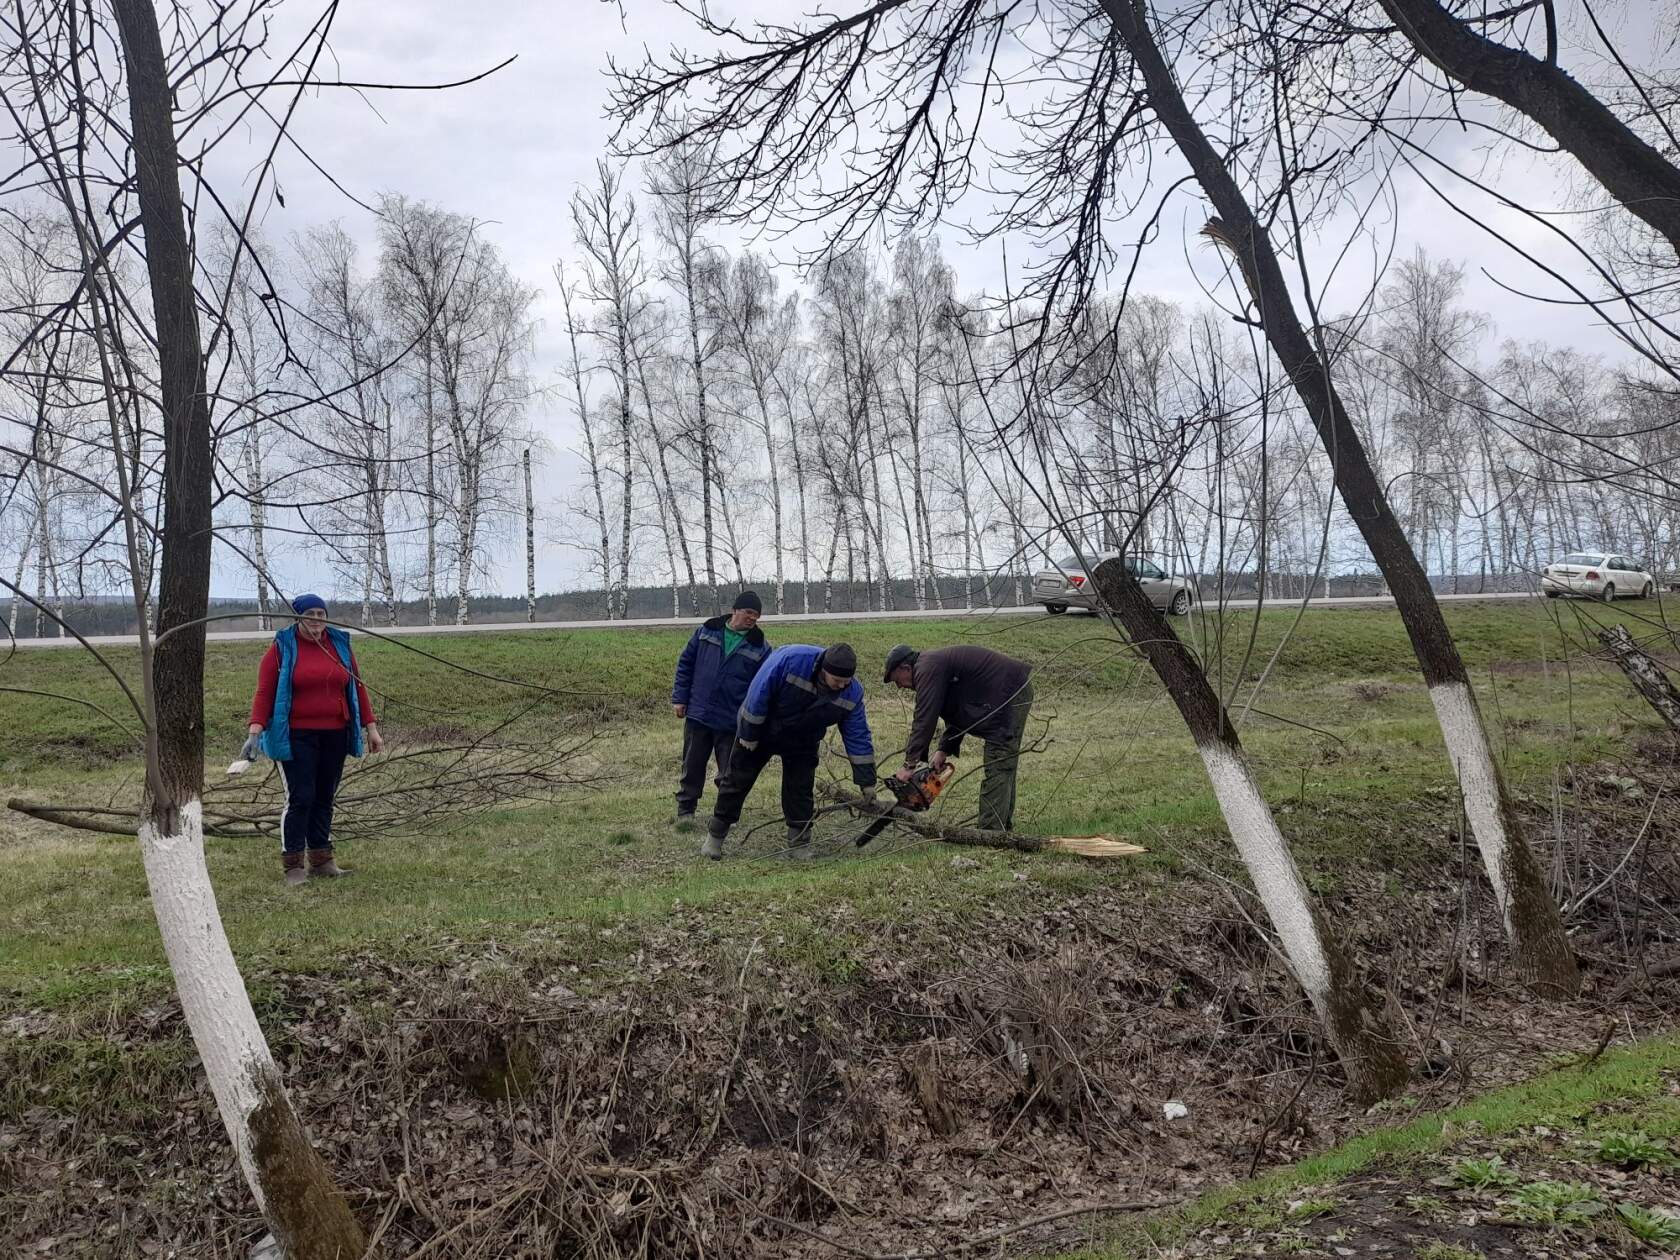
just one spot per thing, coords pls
(511, 150)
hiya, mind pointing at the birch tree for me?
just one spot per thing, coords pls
(691, 268)
(615, 282)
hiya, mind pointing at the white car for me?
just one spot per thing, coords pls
(1605, 575)
(1068, 586)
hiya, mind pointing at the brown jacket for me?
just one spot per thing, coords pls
(971, 688)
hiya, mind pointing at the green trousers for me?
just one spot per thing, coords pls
(1002, 758)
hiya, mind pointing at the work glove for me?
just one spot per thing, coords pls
(249, 751)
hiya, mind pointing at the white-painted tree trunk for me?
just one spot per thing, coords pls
(1478, 778)
(1272, 868)
(225, 1032)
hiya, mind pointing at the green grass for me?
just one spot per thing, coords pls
(1358, 786)
(1634, 1081)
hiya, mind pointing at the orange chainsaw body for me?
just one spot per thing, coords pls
(922, 788)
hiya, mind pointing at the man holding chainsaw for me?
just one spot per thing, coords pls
(978, 692)
(799, 693)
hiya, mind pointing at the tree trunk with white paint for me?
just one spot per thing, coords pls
(1369, 1053)
(1533, 925)
(304, 1210)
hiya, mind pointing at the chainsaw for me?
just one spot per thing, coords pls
(915, 794)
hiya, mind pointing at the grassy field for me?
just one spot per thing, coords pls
(451, 949)
(1342, 734)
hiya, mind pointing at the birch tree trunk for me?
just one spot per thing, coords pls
(804, 531)
(674, 520)
(431, 487)
(306, 1213)
(259, 554)
(1532, 922)
(42, 554)
(530, 542)
(575, 371)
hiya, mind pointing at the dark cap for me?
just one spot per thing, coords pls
(903, 654)
(839, 660)
(748, 600)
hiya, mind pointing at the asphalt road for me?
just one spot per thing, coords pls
(238, 636)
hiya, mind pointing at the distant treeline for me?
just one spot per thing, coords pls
(115, 616)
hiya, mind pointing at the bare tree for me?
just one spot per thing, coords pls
(677, 185)
(575, 377)
(615, 279)
(60, 76)
(757, 335)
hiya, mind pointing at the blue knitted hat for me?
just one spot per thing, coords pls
(303, 603)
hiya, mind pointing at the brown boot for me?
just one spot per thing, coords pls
(321, 863)
(292, 865)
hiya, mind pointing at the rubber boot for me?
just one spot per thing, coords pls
(799, 844)
(712, 845)
(321, 863)
(292, 865)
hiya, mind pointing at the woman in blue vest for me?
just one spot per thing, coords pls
(310, 712)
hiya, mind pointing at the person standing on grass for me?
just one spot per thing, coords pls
(713, 673)
(977, 692)
(797, 696)
(310, 712)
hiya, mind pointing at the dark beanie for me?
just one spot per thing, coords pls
(840, 660)
(303, 603)
(748, 600)
(903, 654)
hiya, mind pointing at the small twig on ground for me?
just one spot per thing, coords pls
(978, 1240)
(1604, 1039)
(1260, 1142)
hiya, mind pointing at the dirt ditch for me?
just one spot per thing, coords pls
(981, 1079)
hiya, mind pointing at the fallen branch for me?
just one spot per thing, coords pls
(102, 820)
(922, 825)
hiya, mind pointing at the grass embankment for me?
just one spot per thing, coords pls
(757, 1030)
(1579, 1161)
(1343, 736)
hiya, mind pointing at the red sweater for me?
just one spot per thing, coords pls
(319, 702)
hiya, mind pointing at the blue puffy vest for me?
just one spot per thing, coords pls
(277, 738)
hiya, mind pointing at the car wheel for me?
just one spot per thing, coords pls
(1180, 606)
(1055, 608)
(1646, 593)
(1553, 594)
(1609, 596)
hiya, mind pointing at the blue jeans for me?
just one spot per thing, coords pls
(312, 777)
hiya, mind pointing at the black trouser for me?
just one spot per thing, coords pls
(701, 745)
(799, 781)
(312, 777)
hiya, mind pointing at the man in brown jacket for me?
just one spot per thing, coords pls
(978, 692)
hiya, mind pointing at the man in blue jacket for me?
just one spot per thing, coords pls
(797, 696)
(713, 674)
